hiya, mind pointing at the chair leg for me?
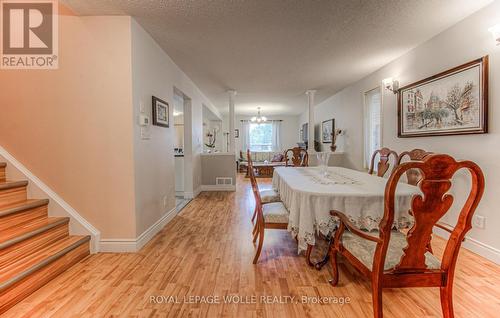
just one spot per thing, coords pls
(256, 232)
(255, 228)
(335, 268)
(447, 300)
(308, 255)
(254, 214)
(261, 242)
(377, 300)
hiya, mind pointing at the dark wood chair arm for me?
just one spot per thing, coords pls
(352, 228)
(444, 227)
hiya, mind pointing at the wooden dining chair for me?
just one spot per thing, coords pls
(413, 176)
(300, 157)
(267, 196)
(384, 163)
(392, 259)
(269, 216)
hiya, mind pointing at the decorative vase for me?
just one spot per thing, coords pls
(323, 159)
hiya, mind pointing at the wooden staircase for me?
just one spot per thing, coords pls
(34, 248)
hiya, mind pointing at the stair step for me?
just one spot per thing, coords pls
(29, 273)
(28, 230)
(22, 212)
(2, 171)
(9, 184)
(31, 237)
(22, 206)
(12, 192)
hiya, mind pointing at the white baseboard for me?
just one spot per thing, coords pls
(473, 245)
(134, 245)
(211, 188)
(55, 199)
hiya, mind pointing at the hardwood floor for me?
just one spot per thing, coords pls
(207, 250)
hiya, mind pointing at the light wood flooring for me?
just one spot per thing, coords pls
(207, 251)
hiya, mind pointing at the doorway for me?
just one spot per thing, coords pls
(182, 149)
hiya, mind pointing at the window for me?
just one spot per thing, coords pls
(372, 124)
(261, 137)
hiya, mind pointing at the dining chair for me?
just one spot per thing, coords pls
(269, 216)
(392, 259)
(413, 176)
(267, 196)
(383, 164)
(300, 157)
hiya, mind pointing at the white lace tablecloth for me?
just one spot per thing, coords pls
(309, 197)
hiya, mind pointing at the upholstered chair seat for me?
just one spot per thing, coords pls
(275, 213)
(364, 250)
(269, 196)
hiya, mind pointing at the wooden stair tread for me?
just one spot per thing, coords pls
(29, 264)
(34, 248)
(29, 229)
(9, 184)
(22, 206)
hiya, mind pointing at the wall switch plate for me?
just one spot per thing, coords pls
(144, 120)
(479, 221)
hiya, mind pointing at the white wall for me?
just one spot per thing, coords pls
(154, 73)
(466, 41)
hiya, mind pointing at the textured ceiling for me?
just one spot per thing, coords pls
(271, 51)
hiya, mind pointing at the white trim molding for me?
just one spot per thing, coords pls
(192, 195)
(74, 216)
(215, 188)
(134, 245)
(473, 245)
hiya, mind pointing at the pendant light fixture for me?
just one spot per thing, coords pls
(259, 118)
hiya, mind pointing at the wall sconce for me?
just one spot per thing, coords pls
(495, 31)
(391, 85)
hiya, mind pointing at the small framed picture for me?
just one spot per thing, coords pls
(327, 129)
(161, 112)
(236, 133)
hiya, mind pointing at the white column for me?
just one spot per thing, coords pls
(310, 104)
(232, 119)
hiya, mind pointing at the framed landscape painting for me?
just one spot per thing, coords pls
(160, 112)
(453, 102)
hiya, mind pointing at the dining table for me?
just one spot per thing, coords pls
(310, 193)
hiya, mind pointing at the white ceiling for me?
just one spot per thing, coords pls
(271, 51)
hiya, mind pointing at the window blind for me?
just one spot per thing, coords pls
(373, 124)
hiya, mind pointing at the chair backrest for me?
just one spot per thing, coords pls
(384, 163)
(427, 209)
(300, 157)
(253, 181)
(413, 176)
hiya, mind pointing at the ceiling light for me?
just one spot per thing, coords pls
(259, 118)
(495, 31)
(176, 113)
